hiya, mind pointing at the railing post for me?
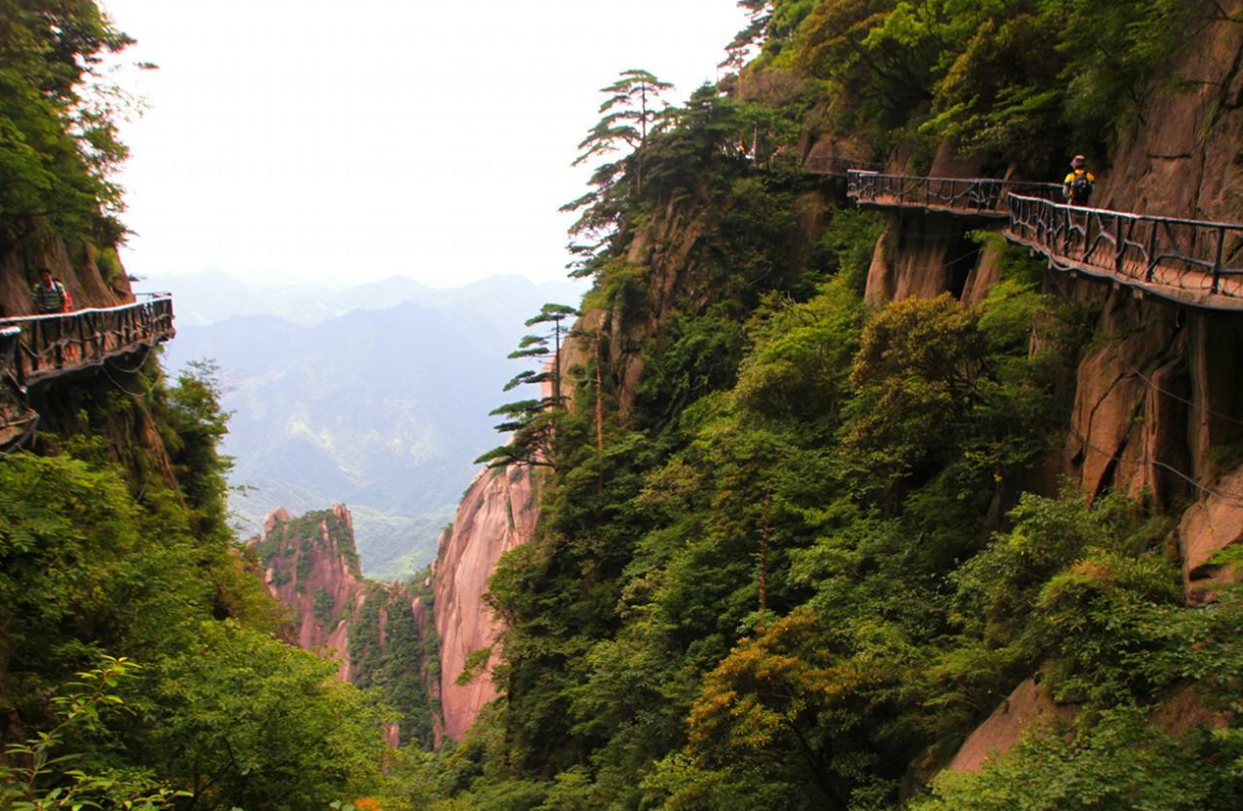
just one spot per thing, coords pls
(21, 367)
(1066, 233)
(82, 325)
(1152, 252)
(1119, 245)
(1221, 252)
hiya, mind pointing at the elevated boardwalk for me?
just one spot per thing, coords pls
(976, 196)
(1191, 262)
(39, 348)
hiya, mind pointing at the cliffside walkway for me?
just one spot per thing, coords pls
(976, 197)
(38, 348)
(1191, 262)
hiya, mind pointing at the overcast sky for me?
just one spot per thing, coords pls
(344, 142)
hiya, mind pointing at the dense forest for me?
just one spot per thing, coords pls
(795, 545)
(141, 659)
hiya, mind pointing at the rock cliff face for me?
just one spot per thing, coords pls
(68, 406)
(1157, 396)
(92, 282)
(1002, 731)
(381, 634)
(498, 513)
(1159, 404)
(311, 567)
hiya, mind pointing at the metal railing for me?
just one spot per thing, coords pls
(16, 418)
(1192, 261)
(977, 196)
(45, 346)
(9, 344)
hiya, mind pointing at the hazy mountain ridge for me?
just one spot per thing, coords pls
(426, 376)
(212, 296)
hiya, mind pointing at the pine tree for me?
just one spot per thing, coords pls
(533, 421)
(631, 117)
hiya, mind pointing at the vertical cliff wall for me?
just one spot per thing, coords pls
(1157, 399)
(71, 405)
(498, 513)
(1156, 395)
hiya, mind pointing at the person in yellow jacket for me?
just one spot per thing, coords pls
(1080, 183)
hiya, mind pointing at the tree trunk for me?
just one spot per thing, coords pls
(600, 412)
(764, 533)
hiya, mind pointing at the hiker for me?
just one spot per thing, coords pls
(1080, 183)
(50, 296)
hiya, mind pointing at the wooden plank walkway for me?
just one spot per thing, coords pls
(39, 348)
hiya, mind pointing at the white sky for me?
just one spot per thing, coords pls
(343, 142)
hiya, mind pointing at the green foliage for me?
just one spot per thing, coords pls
(391, 662)
(474, 666)
(87, 571)
(1020, 81)
(37, 778)
(243, 720)
(194, 425)
(1121, 762)
(938, 382)
(323, 606)
(791, 562)
(631, 114)
(57, 143)
(875, 452)
(533, 423)
(630, 111)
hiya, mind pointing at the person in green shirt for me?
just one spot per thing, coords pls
(50, 296)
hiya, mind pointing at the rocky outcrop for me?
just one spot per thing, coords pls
(94, 279)
(1181, 158)
(1207, 527)
(924, 255)
(1029, 704)
(498, 513)
(311, 568)
(130, 435)
(1157, 398)
(380, 633)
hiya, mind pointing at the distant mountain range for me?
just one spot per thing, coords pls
(376, 396)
